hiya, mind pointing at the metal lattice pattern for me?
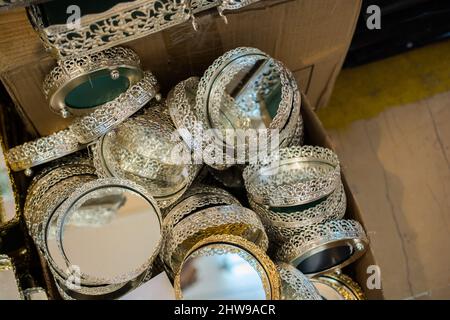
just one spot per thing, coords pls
(316, 235)
(285, 187)
(295, 285)
(122, 23)
(107, 116)
(232, 219)
(43, 150)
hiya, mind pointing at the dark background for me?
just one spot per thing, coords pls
(405, 25)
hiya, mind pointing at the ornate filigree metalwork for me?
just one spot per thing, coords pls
(295, 285)
(270, 183)
(256, 257)
(107, 116)
(281, 226)
(342, 284)
(91, 189)
(147, 150)
(319, 237)
(230, 219)
(71, 72)
(122, 23)
(43, 150)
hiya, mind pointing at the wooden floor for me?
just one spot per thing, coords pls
(396, 157)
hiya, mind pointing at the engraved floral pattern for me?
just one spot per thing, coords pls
(121, 24)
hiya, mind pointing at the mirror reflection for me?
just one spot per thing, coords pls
(7, 198)
(56, 258)
(98, 89)
(246, 94)
(110, 232)
(227, 273)
(324, 259)
(327, 292)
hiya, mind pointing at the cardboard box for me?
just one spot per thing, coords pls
(315, 134)
(311, 37)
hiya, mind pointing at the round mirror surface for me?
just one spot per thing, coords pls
(324, 259)
(223, 272)
(327, 292)
(338, 286)
(56, 259)
(110, 232)
(7, 197)
(245, 94)
(99, 88)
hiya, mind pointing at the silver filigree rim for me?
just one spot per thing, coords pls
(111, 291)
(226, 216)
(322, 236)
(54, 146)
(295, 284)
(182, 111)
(345, 286)
(291, 194)
(105, 170)
(289, 109)
(259, 255)
(225, 248)
(41, 207)
(66, 208)
(45, 211)
(69, 73)
(332, 208)
(190, 203)
(107, 116)
(119, 24)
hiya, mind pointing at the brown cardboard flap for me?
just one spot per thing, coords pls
(19, 43)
